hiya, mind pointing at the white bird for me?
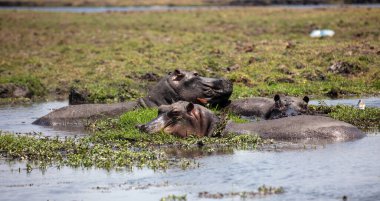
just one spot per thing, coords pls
(319, 33)
(361, 105)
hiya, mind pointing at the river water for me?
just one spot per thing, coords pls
(19, 118)
(327, 172)
(166, 8)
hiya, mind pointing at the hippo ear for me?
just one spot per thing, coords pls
(189, 107)
(178, 75)
(177, 72)
(306, 99)
(277, 98)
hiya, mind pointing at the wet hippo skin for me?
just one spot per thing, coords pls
(176, 86)
(299, 128)
(184, 119)
(267, 108)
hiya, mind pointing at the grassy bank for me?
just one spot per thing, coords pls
(263, 50)
(116, 143)
(367, 119)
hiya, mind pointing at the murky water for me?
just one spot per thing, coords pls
(165, 8)
(325, 173)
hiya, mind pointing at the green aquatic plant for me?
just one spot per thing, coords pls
(174, 198)
(369, 118)
(261, 191)
(116, 143)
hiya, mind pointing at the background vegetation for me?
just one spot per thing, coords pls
(263, 51)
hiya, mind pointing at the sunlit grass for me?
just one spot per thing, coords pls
(107, 53)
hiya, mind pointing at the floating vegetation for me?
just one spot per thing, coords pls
(261, 191)
(174, 198)
(116, 143)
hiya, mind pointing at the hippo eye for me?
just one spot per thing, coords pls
(196, 74)
(173, 113)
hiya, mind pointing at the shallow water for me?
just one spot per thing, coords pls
(19, 118)
(369, 102)
(324, 173)
(165, 8)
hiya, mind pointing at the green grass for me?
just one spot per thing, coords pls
(116, 143)
(174, 198)
(364, 119)
(107, 53)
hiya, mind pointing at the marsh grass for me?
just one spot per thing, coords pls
(268, 49)
(116, 143)
(367, 119)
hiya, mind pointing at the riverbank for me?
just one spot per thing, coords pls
(113, 56)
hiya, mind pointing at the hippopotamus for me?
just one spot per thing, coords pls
(176, 86)
(266, 108)
(184, 119)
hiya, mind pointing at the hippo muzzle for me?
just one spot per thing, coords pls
(215, 91)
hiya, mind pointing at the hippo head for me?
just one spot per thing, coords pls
(285, 106)
(182, 119)
(190, 86)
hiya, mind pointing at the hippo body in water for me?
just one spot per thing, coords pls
(266, 108)
(301, 128)
(184, 119)
(178, 85)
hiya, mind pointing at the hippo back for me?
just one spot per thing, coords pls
(79, 115)
(278, 107)
(305, 128)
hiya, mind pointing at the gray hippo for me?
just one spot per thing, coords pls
(184, 119)
(176, 86)
(266, 108)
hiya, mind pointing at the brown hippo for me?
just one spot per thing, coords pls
(266, 108)
(176, 86)
(184, 119)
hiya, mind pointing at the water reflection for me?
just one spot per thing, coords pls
(324, 173)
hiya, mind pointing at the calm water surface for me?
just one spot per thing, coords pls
(325, 173)
(19, 118)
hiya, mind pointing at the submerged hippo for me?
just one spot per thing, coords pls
(176, 86)
(266, 108)
(184, 119)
